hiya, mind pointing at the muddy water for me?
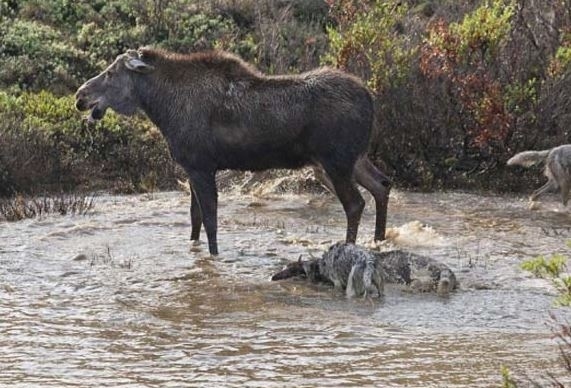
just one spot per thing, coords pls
(119, 298)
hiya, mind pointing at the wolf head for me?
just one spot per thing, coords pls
(446, 283)
(293, 269)
(306, 268)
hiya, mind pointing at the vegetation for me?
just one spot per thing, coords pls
(19, 208)
(562, 334)
(460, 85)
(368, 41)
(48, 146)
(507, 380)
(553, 269)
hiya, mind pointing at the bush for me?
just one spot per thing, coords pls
(47, 145)
(462, 54)
(368, 41)
(552, 269)
(34, 56)
(460, 85)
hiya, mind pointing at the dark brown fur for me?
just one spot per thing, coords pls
(217, 112)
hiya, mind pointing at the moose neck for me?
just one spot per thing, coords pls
(160, 104)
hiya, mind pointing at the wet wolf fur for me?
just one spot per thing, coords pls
(420, 272)
(346, 266)
(217, 112)
(557, 169)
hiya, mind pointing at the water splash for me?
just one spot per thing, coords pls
(415, 234)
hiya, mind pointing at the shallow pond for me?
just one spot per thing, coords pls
(120, 298)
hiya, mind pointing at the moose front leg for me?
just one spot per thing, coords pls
(204, 188)
(195, 217)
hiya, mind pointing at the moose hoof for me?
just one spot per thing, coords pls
(195, 248)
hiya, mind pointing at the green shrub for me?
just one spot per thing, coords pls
(464, 54)
(484, 29)
(34, 56)
(507, 380)
(370, 43)
(562, 58)
(47, 145)
(201, 31)
(545, 268)
(552, 269)
(102, 43)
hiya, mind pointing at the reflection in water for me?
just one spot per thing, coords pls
(118, 298)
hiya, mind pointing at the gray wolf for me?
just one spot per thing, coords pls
(346, 266)
(557, 169)
(421, 273)
(217, 112)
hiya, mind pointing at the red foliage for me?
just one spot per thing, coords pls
(473, 85)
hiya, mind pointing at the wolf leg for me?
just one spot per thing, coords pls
(550, 185)
(564, 193)
(560, 175)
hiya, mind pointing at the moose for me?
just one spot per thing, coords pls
(217, 112)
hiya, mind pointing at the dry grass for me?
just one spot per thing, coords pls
(20, 207)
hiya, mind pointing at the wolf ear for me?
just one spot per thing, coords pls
(137, 65)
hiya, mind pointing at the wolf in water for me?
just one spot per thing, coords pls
(350, 267)
(422, 273)
(557, 169)
(346, 266)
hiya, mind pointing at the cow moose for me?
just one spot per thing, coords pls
(217, 112)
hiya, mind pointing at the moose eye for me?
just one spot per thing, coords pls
(108, 74)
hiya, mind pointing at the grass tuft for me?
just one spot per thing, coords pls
(20, 207)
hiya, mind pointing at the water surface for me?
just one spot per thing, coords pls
(120, 298)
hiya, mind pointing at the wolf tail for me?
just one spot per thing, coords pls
(528, 158)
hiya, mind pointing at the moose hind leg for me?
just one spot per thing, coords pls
(379, 185)
(352, 201)
(322, 177)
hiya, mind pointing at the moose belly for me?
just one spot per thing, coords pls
(242, 148)
(262, 157)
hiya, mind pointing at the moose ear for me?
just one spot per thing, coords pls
(137, 65)
(299, 259)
